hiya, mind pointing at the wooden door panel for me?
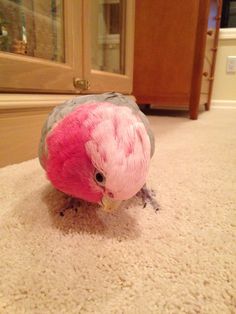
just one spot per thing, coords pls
(31, 74)
(164, 50)
(20, 134)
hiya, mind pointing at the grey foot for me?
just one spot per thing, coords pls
(71, 203)
(149, 196)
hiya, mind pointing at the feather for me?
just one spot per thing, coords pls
(62, 110)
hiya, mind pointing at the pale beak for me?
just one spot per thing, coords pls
(109, 204)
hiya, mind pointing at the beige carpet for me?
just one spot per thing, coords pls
(178, 260)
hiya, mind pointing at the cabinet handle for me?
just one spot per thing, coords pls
(210, 32)
(205, 74)
(81, 84)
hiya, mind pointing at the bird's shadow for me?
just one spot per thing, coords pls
(90, 219)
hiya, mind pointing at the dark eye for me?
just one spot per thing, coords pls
(99, 177)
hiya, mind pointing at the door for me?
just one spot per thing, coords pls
(165, 34)
(43, 48)
(40, 45)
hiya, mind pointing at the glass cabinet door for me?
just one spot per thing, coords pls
(36, 42)
(108, 45)
(108, 36)
(65, 46)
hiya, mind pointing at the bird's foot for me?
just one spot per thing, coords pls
(71, 203)
(149, 196)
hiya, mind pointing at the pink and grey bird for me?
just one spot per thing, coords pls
(97, 148)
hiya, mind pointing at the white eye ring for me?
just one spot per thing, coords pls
(99, 178)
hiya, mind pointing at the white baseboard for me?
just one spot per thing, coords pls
(227, 34)
(227, 104)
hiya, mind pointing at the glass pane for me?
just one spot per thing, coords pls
(232, 14)
(108, 35)
(33, 28)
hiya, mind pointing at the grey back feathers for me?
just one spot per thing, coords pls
(68, 106)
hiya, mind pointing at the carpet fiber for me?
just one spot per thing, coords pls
(180, 259)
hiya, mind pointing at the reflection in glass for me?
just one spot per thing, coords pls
(33, 28)
(108, 35)
(232, 14)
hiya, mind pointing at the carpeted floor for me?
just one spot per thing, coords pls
(181, 259)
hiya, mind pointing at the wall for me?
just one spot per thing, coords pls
(224, 89)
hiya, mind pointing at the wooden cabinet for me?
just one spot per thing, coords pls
(70, 46)
(37, 68)
(52, 50)
(174, 53)
(61, 47)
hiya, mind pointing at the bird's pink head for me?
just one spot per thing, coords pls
(98, 150)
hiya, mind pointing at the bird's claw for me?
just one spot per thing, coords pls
(71, 203)
(148, 196)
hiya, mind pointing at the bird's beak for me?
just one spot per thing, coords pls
(109, 204)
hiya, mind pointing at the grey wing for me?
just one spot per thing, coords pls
(149, 131)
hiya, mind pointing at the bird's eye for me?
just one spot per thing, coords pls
(99, 177)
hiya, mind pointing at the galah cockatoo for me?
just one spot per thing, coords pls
(97, 148)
